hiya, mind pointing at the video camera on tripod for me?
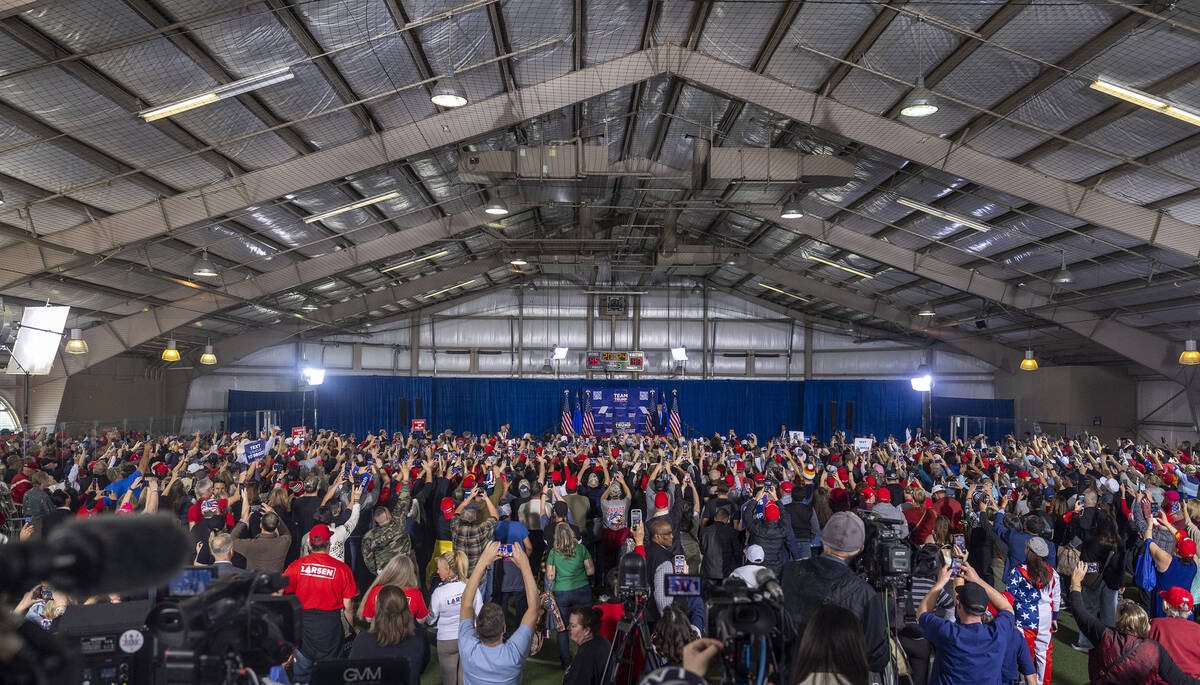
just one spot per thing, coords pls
(755, 627)
(886, 559)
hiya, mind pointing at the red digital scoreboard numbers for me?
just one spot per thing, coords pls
(614, 361)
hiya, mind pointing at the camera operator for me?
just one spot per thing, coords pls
(830, 579)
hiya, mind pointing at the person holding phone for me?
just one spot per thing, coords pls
(1176, 569)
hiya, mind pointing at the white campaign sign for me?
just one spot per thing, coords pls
(863, 444)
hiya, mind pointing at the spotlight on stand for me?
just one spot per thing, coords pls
(923, 380)
(313, 376)
(559, 353)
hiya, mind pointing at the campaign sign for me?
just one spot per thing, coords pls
(256, 450)
(796, 436)
(621, 409)
(863, 445)
(418, 425)
(299, 432)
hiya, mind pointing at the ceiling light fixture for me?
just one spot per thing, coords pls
(791, 210)
(1143, 99)
(517, 262)
(208, 358)
(943, 214)
(309, 306)
(449, 91)
(783, 292)
(835, 265)
(1064, 275)
(927, 310)
(418, 260)
(311, 219)
(920, 102)
(1029, 363)
(77, 345)
(445, 290)
(496, 208)
(203, 267)
(226, 91)
(171, 353)
(1189, 356)
(547, 368)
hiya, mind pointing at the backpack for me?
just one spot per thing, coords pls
(1144, 573)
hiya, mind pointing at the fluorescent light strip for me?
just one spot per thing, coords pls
(353, 205)
(226, 91)
(1148, 101)
(444, 290)
(410, 262)
(835, 265)
(783, 292)
(942, 214)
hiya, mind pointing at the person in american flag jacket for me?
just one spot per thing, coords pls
(1037, 598)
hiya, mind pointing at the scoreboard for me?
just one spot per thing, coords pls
(614, 361)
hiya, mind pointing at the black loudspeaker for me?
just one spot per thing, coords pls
(981, 324)
(833, 416)
(849, 417)
(402, 413)
(419, 412)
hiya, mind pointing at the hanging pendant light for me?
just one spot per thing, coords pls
(496, 208)
(449, 91)
(203, 268)
(1064, 275)
(171, 353)
(1189, 356)
(920, 102)
(77, 345)
(208, 358)
(791, 210)
(1029, 363)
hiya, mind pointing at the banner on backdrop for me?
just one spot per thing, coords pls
(620, 410)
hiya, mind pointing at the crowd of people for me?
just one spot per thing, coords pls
(472, 551)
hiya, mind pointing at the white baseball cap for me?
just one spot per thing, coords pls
(755, 554)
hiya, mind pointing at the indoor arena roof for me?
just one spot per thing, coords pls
(107, 209)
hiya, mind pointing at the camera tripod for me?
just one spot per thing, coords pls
(632, 634)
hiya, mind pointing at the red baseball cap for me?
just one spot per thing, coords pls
(883, 495)
(786, 486)
(771, 511)
(556, 476)
(870, 480)
(1186, 548)
(661, 501)
(448, 507)
(319, 533)
(572, 483)
(758, 478)
(740, 466)
(1177, 598)
(296, 487)
(468, 482)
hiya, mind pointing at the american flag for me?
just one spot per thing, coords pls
(674, 417)
(589, 422)
(566, 427)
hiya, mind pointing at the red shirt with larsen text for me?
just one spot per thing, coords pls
(320, 582)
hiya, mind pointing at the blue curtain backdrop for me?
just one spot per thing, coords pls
(361, 404)
(997, 414)
(881, 408)
(293, 407)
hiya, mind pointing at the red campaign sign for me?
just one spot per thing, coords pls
(299, 432)
(418, 425)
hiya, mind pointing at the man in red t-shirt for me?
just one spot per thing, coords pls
(325, 587)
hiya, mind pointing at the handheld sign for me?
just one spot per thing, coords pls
(796, 436)
(863, 445)
(256, 450)
(418, 425)
(299, 432)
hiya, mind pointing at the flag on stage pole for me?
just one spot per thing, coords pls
(589, 421)
(577, 419)
(565, 425)
(674, 418)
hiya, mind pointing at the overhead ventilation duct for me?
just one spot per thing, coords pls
(576, 159)
(774, 165)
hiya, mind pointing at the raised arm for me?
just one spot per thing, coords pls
(467, 608)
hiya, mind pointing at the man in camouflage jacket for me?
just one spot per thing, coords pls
(389, 537)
